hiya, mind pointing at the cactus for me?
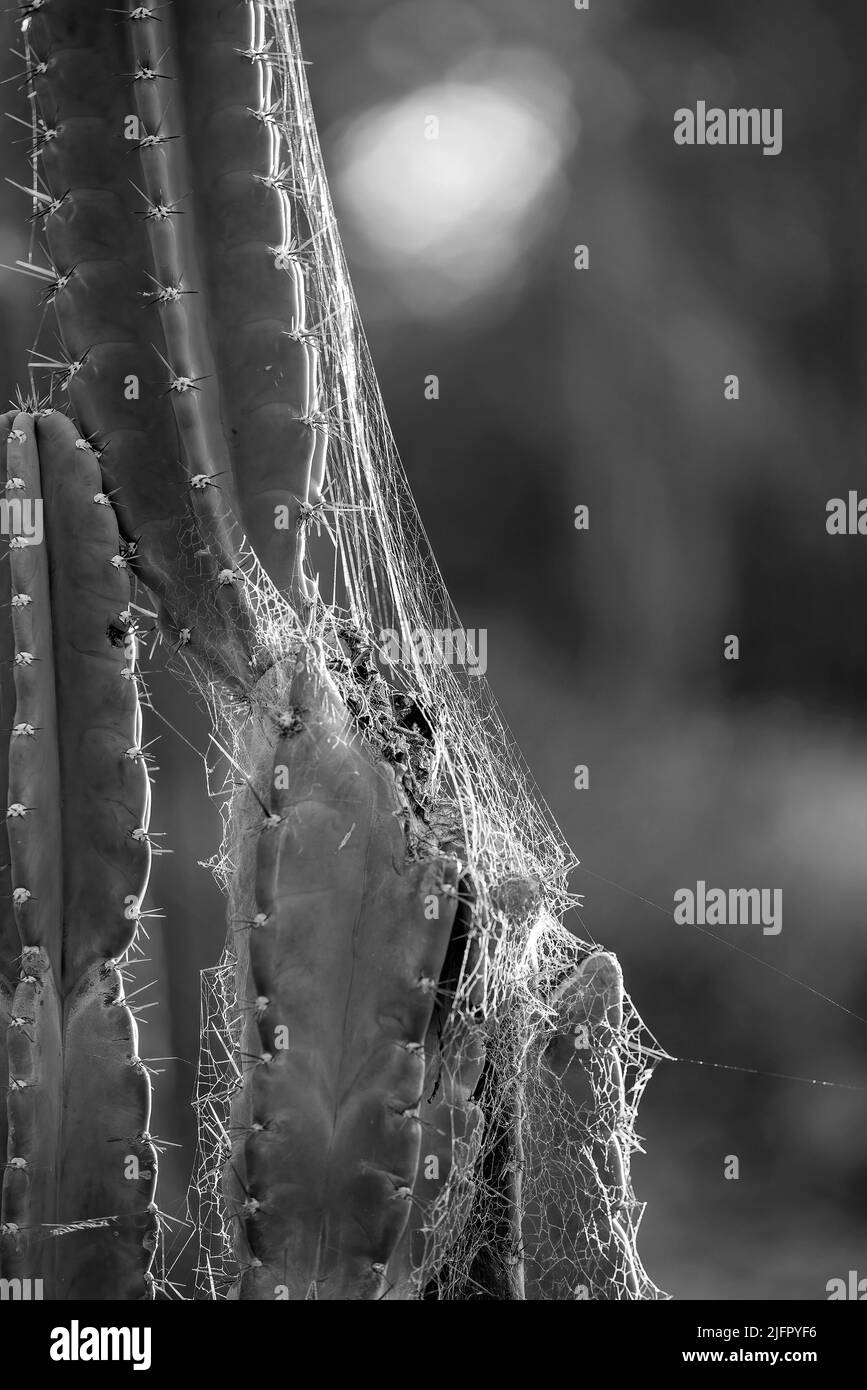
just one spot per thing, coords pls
(77, 1146)
(10, 945)
(395, 962)
(452, 1122)
(179, 295)
(345, 956)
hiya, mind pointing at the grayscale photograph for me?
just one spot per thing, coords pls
(433, 763)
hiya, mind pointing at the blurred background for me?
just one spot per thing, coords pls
(604, 387)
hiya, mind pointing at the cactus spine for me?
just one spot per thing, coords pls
(78, 1103)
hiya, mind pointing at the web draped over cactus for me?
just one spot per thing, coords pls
(214, 356)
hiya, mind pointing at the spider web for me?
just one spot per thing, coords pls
(566, 1058)
(373, 573)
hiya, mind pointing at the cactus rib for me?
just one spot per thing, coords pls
(78, 1106)
(345, 957)
(10, 945)
(205, 276)
(452, 1121)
